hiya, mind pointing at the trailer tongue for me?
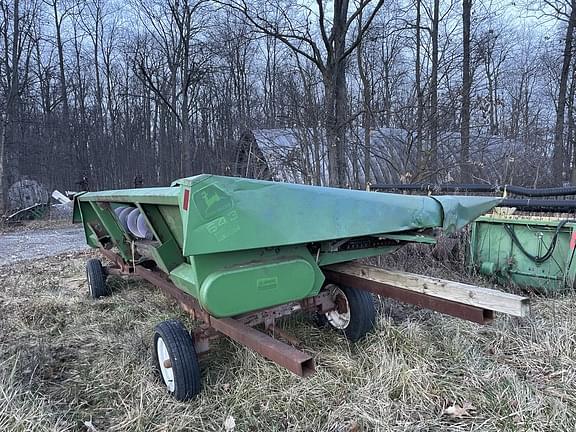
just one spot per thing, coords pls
(236, 253)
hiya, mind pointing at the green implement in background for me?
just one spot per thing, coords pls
(528, 251)
(238, 245)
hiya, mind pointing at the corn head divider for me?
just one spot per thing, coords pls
(237, 254)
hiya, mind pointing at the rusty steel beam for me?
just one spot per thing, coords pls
(459, 310)
(300, 363)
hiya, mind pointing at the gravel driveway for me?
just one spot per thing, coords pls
(23, 245)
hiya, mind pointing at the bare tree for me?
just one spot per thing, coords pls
(366, 108)
(13, 47)
(330, 61)
(433, 160)
(558, 158)
(407, 92)
(465, 169)
(418, 85)
(174, 38)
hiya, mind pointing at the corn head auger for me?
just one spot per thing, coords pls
(238, 254)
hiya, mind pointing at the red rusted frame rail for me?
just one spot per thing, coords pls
(300, 363)
(448, 307)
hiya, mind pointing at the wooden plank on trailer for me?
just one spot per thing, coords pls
(485, 298)
(459, 310)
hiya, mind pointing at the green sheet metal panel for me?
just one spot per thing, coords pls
(226, 213)
(157, 195)
(231, 283)
(495, 253)
(246, 288)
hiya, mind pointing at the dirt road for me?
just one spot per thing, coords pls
(31, 244)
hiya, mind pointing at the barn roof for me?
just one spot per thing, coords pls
(299, 155)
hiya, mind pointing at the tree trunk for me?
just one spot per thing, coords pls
(65, 135)
(366, 114)
(335, 89)
(98, 82)
(186, 167)
(558, 171)
(82, 135)
(419, 92)
(335, 94)
(330, 124)
(433, 161)
(572, 120)
(465, 168)
(9, 171)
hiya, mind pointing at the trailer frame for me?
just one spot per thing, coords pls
(242, 329)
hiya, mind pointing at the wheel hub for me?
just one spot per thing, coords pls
(165, 364)
(339, 318)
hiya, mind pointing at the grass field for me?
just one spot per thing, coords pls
(69, 363)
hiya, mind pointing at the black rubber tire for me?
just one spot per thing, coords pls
(185, 366)
(362, 313)
(96, 279)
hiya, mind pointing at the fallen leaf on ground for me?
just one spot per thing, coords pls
(89, 426)
(457, 411)
(229, 424)
(354, 427)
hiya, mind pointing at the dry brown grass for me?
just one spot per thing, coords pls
(67, 360)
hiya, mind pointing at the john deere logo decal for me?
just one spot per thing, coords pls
(211, 202)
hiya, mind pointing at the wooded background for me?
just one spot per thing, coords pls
(106, 93)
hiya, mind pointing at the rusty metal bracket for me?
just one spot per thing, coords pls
(202, 338)
(120, 267)
(448, 307)
(320, 303)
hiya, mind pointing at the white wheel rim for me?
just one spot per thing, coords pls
(163, 360)
(336, 319)
(89, 282)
